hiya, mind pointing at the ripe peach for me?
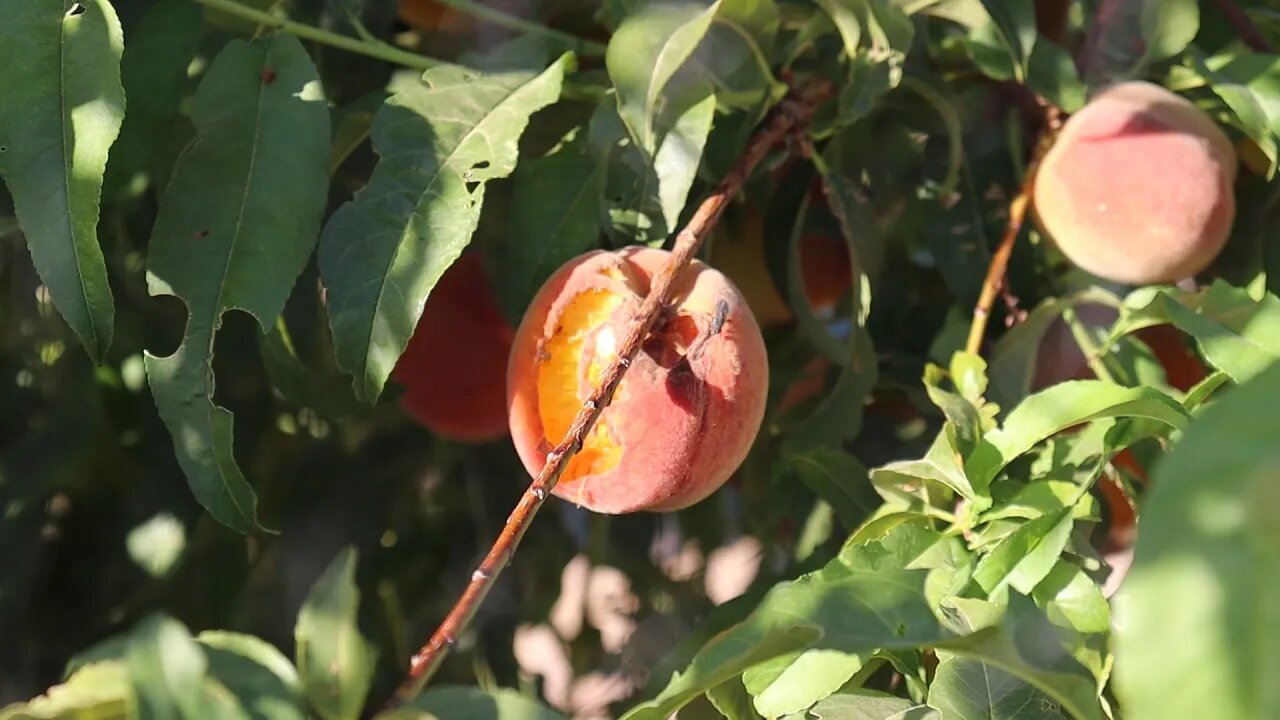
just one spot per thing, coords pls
(824, 268)
(687, 410)
(1059, 357)
(455, 363)
(1138, 187)
(433, 16)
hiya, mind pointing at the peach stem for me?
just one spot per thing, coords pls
(995, 278)
(792, 112)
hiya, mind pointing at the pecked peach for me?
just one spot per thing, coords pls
(687, 410)
(453, 368)
(1138, 187)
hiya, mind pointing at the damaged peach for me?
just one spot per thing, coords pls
(688, 408)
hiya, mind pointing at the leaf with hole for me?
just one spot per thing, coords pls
(438, 141)
(235, 227)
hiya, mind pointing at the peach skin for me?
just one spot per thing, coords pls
(688, 408)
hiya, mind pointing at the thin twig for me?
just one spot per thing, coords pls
(994, 283)
(1244, 27)
(511, 22)
(378, 50)
(794, 110)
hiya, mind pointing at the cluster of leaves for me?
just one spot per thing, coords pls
(204, 152)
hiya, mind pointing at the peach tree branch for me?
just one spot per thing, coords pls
(792, 112)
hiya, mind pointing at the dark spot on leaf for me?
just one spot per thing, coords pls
(202, 234)
(471, 186)
(900, 630)
(268, 75)
(4, 148)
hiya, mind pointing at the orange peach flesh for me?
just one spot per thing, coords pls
(1138, 188)
(685, 414)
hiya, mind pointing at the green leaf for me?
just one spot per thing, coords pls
(644, 54)
(255, 672)
(870, 705)
(100, 691)
(1136, 34)
(1236, 334)
(1062, 406)
(328, 393)
(554, 218)
(1002, 44)
(676, 162)
(469, 703)
(1051, 72)
(839, 478)
(63, 106)
(335, 661)
(942, 464)
(877, 36)
(1027, 555)
(1168, 26)
(167, 668)
(839, 416)
(154, 74)
(965, 689)
(1071, 599)
(1206, 570)
(725, 657)
(235, 227)
(730, 698)
(1022, 642)
(796, 681)
(840, 608)
(439, 142)
(666, 57)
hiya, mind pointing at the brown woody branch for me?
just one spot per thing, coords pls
(794, 111)
(1244, 27)
(994, 282)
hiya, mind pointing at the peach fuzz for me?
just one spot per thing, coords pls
(1138, 187)
(688, 408)
(453, 368)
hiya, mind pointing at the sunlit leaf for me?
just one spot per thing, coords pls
(62, 109)
(439, 141)
(1206, 569)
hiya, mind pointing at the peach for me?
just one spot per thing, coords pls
(824, 268)
(454, 366)
(1138, 187)
(1059, 357)
(433, 16)
(688, 408)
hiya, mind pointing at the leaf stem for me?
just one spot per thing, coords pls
(793, 111)
(511, 22)
(376, 49)
(1088, 348)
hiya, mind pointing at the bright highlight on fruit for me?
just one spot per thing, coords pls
(1138, 187)
(689, 407)
(453, 367)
